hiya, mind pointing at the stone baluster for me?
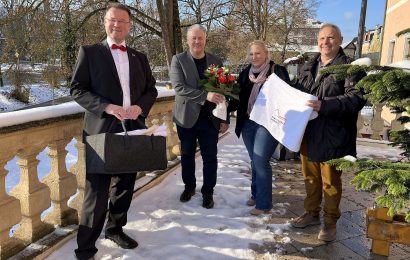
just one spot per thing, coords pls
(377, 122)
(176, 149)
(9, 215)
(155, 120)
(34, 198)
(359, 124)
(396, 125)
(62, 185)
(172, 138)
(79, 170)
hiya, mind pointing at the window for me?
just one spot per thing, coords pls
(390, 52)
(406, 55)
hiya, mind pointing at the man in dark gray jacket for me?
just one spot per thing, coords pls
(193, 114)
(331, 135)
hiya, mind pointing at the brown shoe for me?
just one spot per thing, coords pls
(327, 233)
(305, 220)
(257, 212)
(251, 202)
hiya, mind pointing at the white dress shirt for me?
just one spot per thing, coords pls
(123, 70)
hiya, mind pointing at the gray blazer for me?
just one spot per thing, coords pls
(189, 95)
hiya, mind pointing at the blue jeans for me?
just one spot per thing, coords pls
(207, 136)
(260, 145)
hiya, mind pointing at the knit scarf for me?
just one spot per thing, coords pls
(257, 82)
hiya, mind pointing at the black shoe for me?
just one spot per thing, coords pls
(123, 240)
(84, 258)
(208, 201)
(186, 195)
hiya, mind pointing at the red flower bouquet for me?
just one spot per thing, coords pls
(220, 80)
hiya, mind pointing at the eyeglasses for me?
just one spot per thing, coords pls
(113, 21)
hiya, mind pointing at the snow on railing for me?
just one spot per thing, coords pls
(41, 113)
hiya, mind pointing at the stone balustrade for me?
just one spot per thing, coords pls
(373, 122)
(21, 210)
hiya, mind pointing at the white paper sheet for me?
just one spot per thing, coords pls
(281, 109)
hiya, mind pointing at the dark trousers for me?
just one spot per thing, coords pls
(94, 211)
(207, 136)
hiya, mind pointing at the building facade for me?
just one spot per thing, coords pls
(372, 44)
(396, 36)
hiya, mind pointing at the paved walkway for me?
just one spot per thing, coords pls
(351, 241)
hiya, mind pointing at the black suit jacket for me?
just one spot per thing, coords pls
(95, 84)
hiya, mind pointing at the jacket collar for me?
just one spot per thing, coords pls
(109, 59)
(191, 58)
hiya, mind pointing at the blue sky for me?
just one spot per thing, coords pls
(346, 14)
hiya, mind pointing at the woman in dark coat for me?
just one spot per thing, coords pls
(258, 141)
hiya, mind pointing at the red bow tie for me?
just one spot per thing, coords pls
(119, 47)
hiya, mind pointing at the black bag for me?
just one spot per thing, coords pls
(282, 153)
(113, 154)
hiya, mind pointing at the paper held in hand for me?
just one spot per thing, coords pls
(220, 111)
(282, 110)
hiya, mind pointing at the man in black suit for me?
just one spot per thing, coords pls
(113, 83)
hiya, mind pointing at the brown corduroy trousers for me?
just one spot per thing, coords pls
(320, 176)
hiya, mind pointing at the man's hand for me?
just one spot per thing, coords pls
(215, 98)
(223, 127)
(133, 112)
(315, 104)
(116, 111)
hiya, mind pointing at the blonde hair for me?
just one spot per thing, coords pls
(260, 44)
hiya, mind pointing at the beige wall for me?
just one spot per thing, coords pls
(365, 48)
(397, 19)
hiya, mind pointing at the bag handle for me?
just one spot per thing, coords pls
(113, 125)
(124, 128)
(272, 69)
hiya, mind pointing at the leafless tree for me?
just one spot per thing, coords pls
(256, 16)
(292, 24)
(205, 12)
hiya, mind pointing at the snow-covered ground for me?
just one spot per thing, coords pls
(168, 229)
(39, 93)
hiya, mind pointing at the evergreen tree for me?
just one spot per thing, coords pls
(391, 87)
